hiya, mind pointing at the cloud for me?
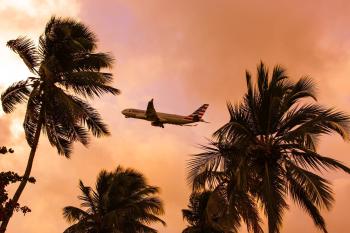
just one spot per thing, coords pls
(182, 54)
(26, 18)
(185, 53)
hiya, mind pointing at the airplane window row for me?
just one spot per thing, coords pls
(135, 110)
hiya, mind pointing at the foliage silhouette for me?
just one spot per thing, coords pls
(267, 150)
(66, 69)
(200, 217)
(121, 202)
(7, 178)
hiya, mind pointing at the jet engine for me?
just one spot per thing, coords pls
(157, 123)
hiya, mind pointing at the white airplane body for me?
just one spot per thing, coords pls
(159, 118)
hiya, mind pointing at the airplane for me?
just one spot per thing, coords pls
(159, 118)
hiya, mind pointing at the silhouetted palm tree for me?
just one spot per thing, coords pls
(65, 63)
(121, 202)
(268, 148)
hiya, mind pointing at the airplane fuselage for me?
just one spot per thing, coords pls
(160, 118)
(164, 118)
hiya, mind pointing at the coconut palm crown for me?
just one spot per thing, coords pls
(268, 149)
(121, 202)
(64, 66)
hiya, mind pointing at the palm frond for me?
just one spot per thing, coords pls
(104, 180)
(142, 207)
(62, 124)
(204, 164)
(262, 78)
(278, 75)
(140, 227)
(87, 198)
(26, 49)
(92, 61)
(303, 199)
(79, 133)
(248, 210)
(308, 158)
(250, 89)
(79, 33)
(89, 83)
(32, 117)
(15, 94)
(145, 191)
(151, 218)
(326, 122)
(58, 136)
(91, 118)
(73, 214)
(296, 116)
(251, 104)
(239, 126)
(83, 226)
(318, 189)
(208, 179)
(77, 36)
(304, 88)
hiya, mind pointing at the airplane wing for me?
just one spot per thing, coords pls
(151, 113)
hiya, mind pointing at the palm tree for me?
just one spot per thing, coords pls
(65, 66)
(268, 149)
(121, 202)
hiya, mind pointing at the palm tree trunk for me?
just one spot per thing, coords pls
(24, 180)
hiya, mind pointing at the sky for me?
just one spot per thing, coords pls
(183, 54)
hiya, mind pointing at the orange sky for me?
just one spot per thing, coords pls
(182, 54)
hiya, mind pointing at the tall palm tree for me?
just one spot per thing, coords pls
(65, 67)
(121, 202)
(268, 149)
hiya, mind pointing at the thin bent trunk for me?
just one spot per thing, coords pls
(24, 180)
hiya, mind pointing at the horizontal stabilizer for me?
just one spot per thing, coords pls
(198, 114)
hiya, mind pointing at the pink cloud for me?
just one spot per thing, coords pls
(184, 54)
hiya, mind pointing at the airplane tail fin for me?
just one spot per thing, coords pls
(198, 114)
